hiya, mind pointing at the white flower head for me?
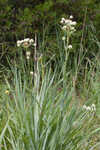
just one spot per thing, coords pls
(31, 41)
(91, 109)
(18, 43)
(73, 23)
(68, 25)
(63, 38)
(31, 72)
(26, 40)
(28, 53)
(34, 44)
(67, 21)
(25, 43)
(69, 46)
(71, 17)
(27, 57)
(62, 20)
(88, 108)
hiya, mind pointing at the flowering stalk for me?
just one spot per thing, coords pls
(68, 29)
(26, 43)
(65, 62)
(36, 68)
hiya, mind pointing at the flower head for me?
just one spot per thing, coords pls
(27, 57)
(31, 72)
(28, 53)
(91, 108)
(69, 46)
(71, 17)
(63, 38)
(62, 20)
(25, 43)
(68, 24)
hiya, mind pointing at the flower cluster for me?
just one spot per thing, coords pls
(25, 43)
(68, 25)
(91, 108)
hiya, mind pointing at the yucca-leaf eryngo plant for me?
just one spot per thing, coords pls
(59, 123)
(38, 115)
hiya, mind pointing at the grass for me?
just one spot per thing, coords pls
(50, 116)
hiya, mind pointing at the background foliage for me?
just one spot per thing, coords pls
(23, 18)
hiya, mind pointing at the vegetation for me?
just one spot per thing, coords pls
(23, 18)
(50, 91)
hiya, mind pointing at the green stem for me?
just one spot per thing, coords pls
(65, 62)
(36, 90)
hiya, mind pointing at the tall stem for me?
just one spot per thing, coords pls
(65, 62)
(36, 68)
(36, 89)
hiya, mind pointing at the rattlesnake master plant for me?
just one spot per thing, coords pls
(58, 126)
(36, 115)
